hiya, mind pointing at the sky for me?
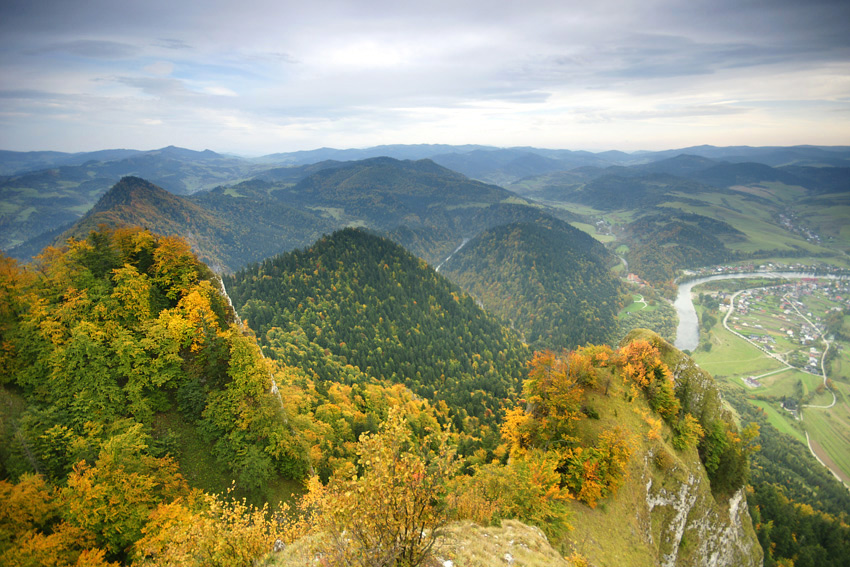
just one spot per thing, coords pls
(256, 77)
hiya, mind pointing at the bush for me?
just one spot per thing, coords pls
(526, 489)
(389, 514)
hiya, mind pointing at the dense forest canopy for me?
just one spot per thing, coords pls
(380, 309)
(550, 281)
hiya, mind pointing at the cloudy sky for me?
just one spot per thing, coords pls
(256, 76)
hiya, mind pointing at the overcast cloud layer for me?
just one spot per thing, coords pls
(257, 77)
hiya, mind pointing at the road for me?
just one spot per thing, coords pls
(822, 359)
(822, 367)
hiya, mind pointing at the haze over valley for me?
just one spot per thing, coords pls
(434, 284)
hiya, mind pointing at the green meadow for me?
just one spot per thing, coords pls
(732, 359)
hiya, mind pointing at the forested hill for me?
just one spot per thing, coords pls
(427, 208)
(126, 386)
(550, 280)
(380, 186)
(225, 231)
(379, 308)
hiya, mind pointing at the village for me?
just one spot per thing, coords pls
(786, 321)
(769, 267)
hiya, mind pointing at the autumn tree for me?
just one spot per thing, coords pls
(597, 471)
(206, 530)
(388, 511)
(554, 399)
(113, 498)
(32, 531)
(528, 488)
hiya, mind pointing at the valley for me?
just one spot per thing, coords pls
(499, 321)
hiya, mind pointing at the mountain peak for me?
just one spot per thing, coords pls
(131, 191)
(185, 154)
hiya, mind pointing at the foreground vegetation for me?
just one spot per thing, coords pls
(121, 358)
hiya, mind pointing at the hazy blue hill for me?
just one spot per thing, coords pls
(41, 201)
(136, 202)
(614, 192)
(729, 174)
(225, 231)
(508, 165)
(44, 200)
(16, 163)
(387, 183)
(556, 186)
(178, 170)
(835, 156)
(550, 280)
(499, 165)
(385, 194)
(768, 155)
(683, 165)
(12, 163)
(185, 154)
(821, 179)
(295, 173)
(616, 156)
(257, 226)
(397, 151)
(487, 163)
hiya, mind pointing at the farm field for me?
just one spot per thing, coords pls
(755, 222)
(781, 419)
(785, 324)
(591, 230)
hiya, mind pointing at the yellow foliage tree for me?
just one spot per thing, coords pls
(390, 514)
(32, 532)
(206, 530)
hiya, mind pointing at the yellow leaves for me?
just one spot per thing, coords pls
(527, 488)
(25, 505)
(595, 472)
(113, 498)
(206, 530)
(32, 533)
(133, 292)
(202, 323)
(688, 432)
(174, 266)
(638, 360)
(387, 515)
(654, 423)
(517, 430)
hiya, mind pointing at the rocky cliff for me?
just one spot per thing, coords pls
(667, 514)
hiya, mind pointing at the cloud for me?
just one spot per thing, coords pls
(157, 86)
(94, 49)
(160, 68)
(219, 91)
(171, 43)
(471, 71)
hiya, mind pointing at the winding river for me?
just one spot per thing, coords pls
(687, 333)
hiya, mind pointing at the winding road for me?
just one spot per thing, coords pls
(787, 366)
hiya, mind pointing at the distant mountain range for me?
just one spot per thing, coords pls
(427, 208)
(426, 197)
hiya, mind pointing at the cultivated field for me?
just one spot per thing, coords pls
(772, 350)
